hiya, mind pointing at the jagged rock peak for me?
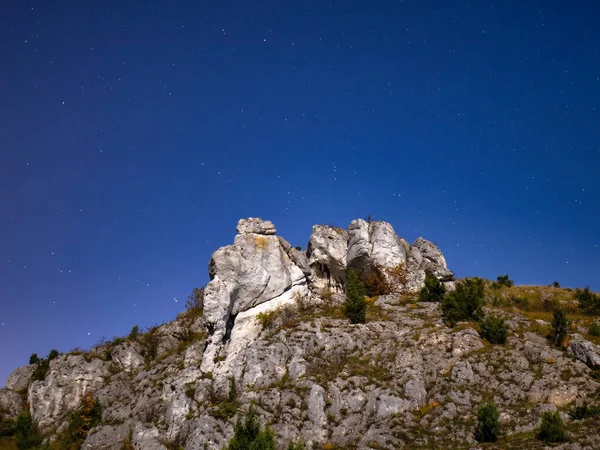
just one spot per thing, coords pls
(256, 226)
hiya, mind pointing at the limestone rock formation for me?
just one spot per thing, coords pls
(327, 249)
(403, 379)
(70, 377)
(254, 270)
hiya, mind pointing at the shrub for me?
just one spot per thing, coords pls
(297, 446)
(503, 280)
(83, 420)
(376, 283)
(356, 306)
(465, 302)
(594, 329)
(584, 412)
(27, 433)
(494, 330)
(53, 354)
(195, 300)
(397, 278)
(134, 333)
(266, 319)
(433, 291)
(488, 428)
(559, 327)
(34, 358)
(589, 301)
(552, 428)
(248, 435)
(7, 427)
(555, 284)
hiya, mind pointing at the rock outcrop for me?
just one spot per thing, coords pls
(254, 270)
(327, 249)
(404, 379)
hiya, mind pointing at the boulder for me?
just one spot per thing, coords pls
(20, 378)
(326, 251)
(255, 226)
(376, 243)
(432, 259)
(584, 351)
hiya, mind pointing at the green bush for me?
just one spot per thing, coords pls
(27, 433)
(297, 446)
(503, 280)
(7, 427)
(494, 329)
(559, 327)
(134, 333)
(356, 306)
(53, 354)
(488, 427)
(584, 412)
(34, 358)
(465, 302)
(588, 301)
(594, 329)
(433, 291)
(555, 284)
(552, 428)
(248, 435)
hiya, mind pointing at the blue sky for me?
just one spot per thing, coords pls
(134, 135)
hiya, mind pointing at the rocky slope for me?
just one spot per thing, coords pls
(271, 333)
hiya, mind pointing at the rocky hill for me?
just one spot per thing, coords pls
(269, 331)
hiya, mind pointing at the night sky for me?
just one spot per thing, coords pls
(135, 134)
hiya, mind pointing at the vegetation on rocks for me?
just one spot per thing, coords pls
(356, 306)
(43, 365)
(588, 301)
(559, 328)
(249, 435)
(434, 289)
(494, 329)
(488, 427)
(552, 429)
(465, 302)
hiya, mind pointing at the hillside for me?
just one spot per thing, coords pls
(269, 330)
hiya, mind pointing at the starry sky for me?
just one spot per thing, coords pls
(135, 134)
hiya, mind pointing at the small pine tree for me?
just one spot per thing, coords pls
(465, 302)
(494, 329)
(134, 333)
(248, 435)
(53, 354)
(433, 291)
(552, 428)
(503, 280)
(559, 327)
(356, 306)
(555, 284)
(488, 428)
(34, 358)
